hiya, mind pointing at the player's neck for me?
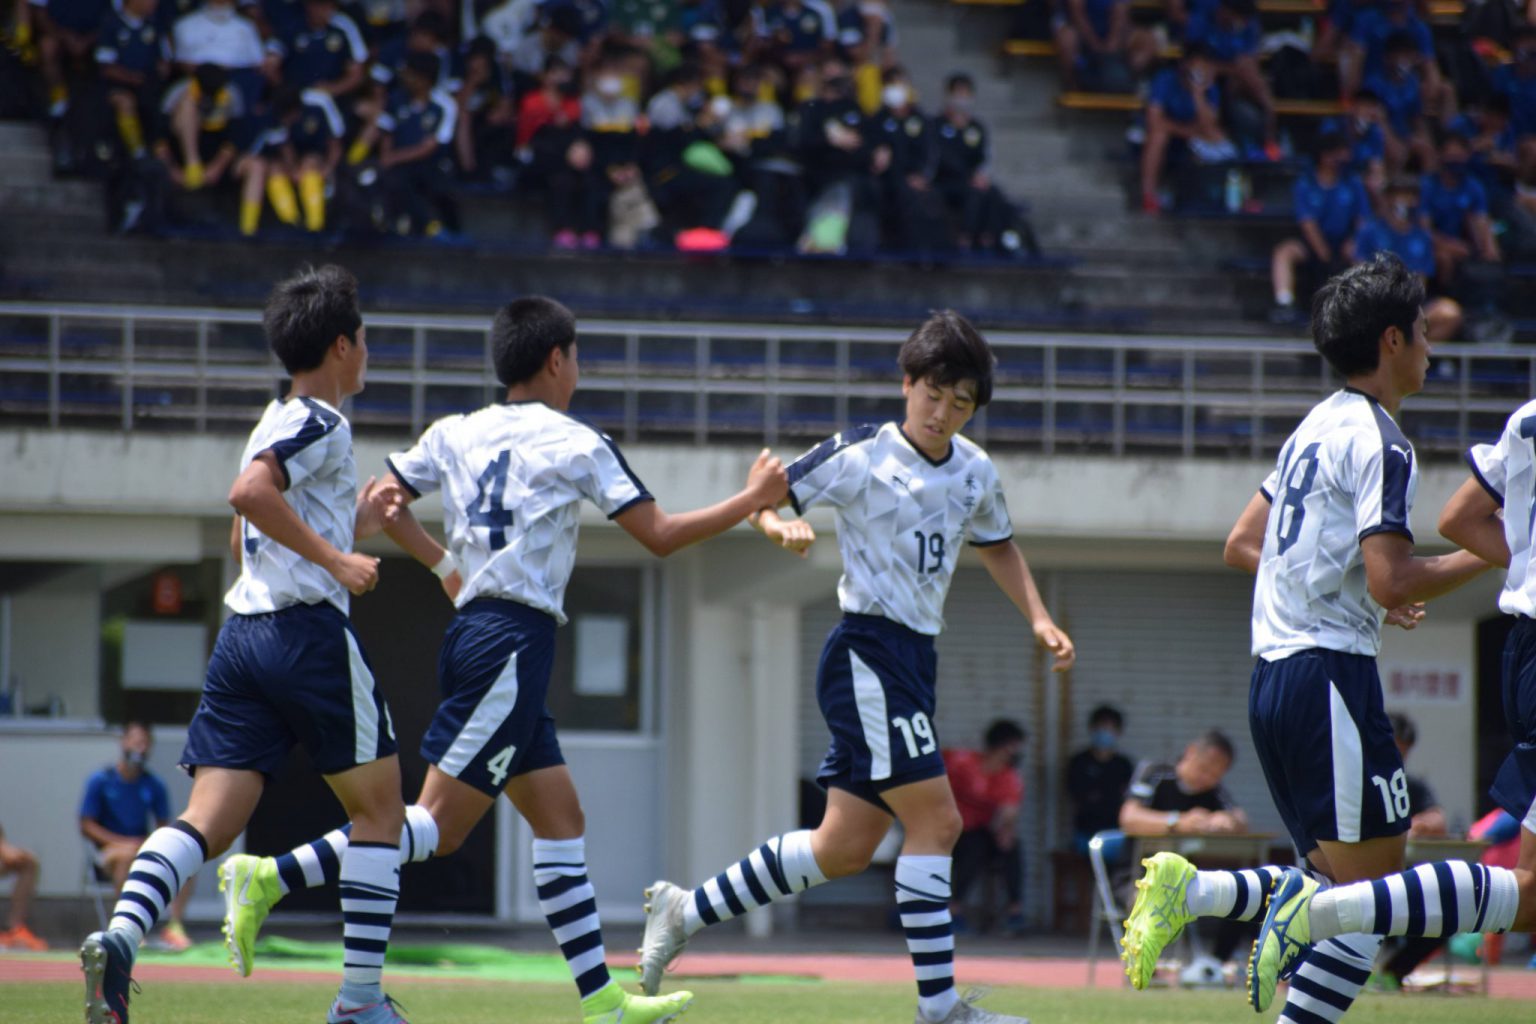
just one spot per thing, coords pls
(532, 391)
(320, 384)
(1378, 385)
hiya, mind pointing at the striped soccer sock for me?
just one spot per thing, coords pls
(319, 863)
(569, 904)
(370, 888)
(778, 869)
(922, 897)
(1428, 900)
(166, 862)
(1329, 979)
(1235, 895)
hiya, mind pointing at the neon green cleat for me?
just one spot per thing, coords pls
(611, 1004)
(1158, 915)
(1284, 937)
(251, 889)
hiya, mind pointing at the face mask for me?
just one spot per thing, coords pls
(720, 106)
(136, 758)
(1104, 739)
(894, 95)
(609, 86)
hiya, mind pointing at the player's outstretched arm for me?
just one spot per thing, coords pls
(663, 533)
(257, 495)
(1006, 565)
(1245, 544)
(412, 538)
(1471, 520)
(378, 503)
(790, 534)
(1395, 576)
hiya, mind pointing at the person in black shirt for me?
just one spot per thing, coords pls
(986, 220)
(1097, 777)
(836, 146)
(688, 177)
(912, 211)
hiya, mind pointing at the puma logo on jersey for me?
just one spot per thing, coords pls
(1407, 456)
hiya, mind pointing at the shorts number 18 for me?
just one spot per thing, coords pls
(1394, 795)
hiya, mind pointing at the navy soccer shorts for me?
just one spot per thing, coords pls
(494, 670)
(1326, 748)
(876, 687)
(297, 675)
(1514, 788)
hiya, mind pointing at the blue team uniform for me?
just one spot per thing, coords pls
(1335, 209)
(132, 45)
(808, 27)
(132, 809)
(1521, 91)
(1449, 206)
(1171, 93)
(1364, 146)
(1225, 44)
(311, 133)
(1414, 246)
(311, 56)
(1403, 98)
(1372, 29)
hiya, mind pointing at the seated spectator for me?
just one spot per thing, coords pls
(1491, 135)
(22, 864)
(796, 33)
(989, 791)
(327, 53)
(1402, 95)
(207, 126)
(67, 31)
(986, 220)
(133, 56)
(383, 21)
(837, 150)
(589, 19)
(215, 34)
(1230, 31)
(303, 146)
(429, 33)
(912, 210)
(1364, 131)
(1183, 116)
(1098, 48)
(1097, 777)
(557, 38)
(561, 162)
(122, 804)
(611, 120)
(415, 129)
(1425, 815)
(509, 23)
(686, 175)
(1330, 203)
(557, 92)
(753, 133)
(1397, 230)
(1455, 207)
(1370, 49)
(484, 142)
(1517, 81)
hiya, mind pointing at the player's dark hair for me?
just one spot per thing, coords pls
(307, 313)
(1215, 739)
(1003, 732)
(946, 350)
(1403, 729)
(1352, 311)
(525, 332)
(1106, 714)
(958, 79)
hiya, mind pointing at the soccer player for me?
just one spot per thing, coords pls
(906, 494)
(1328, 536)
(287, 667)
(1447, 896)
(513, 478)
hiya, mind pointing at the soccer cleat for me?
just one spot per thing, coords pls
(251, 889)
(664, 937)
(967, 1012)
(107, 960)
(385, 1011)
(1285, 935)
(1158, 915)
(611, 1005)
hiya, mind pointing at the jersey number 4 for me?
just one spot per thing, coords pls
(491, 486)
(1292, 502)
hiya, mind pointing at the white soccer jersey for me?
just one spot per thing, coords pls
(513, 478)
(312, 443)
(1507, 470)
(900, 517)
(1346, 473)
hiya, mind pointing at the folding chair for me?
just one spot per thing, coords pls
(95, 881)
(1106, 909)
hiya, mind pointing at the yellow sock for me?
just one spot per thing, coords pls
(132, 131)
(280, 192)
(358, 152)
(192, 174)
(58, 99)
(250, 216)
(312, 194)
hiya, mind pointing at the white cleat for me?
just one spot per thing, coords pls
(665, 936)
(967, 1012)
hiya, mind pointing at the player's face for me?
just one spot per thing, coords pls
(567, 375)
(936, 413)
(1413, 358)
(355, 363)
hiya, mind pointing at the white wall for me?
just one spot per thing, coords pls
(55, 642)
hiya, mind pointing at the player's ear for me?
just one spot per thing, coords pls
(906, 384)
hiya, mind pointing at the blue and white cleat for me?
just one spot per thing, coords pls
(106, 958)
(1284, 938)
(385, 1011)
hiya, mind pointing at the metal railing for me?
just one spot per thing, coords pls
(150, 368)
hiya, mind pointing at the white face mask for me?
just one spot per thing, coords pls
(720, 106)
(895, 95)
(609, 85)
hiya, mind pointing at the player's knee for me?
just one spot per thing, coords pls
(843, 861)
(946, 828)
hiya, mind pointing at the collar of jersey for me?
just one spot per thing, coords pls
(924, 455)
(1362, 394)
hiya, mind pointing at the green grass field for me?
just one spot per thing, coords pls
(474, 1002)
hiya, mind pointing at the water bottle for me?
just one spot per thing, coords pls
(1232, 195)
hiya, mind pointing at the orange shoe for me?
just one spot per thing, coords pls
(173, 938)
(21, 937)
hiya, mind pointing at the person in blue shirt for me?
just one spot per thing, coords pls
(1089, 34)
(1365, 131)
(1183, 114)
(1517, 81)
(1455, 209)
(1491, 135)
(1231, 30)
(1365, 53)
(300, 144)
(416, 128)
(66, 37)
(1331, 201)
(122, 804)
(1401, 90)
(1397, 230)
(799, 33)
(133, 56)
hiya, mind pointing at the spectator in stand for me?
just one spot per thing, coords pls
(1230, 30)
(215, 34)
(509, 23)
(872, 20)
(429, 33)
(836, 143)
(327, 54)
(1455, 209)
(590, 20)
(1183, 117)
(1097, 47)
(484, 141)
(1332, 44)
(753, 133)
(1425, 815)
(303, 146)
(912, 211)
(1097, 777)
(1331, 202)
(122, 804)
(797, 33)
(611, 120)
(687, 176)
(1402, 94)
(208, 125)
(382, 21)
(134, 57)
(561, 161)
(557, 94)
(20, 864)
(415, 129)
(1365, 131)
(987, 220)
(1397, 230)
(1517, 80)
(557, 38)
(989, 792)
(1491, 136)
(66, 36)
(1371, 51)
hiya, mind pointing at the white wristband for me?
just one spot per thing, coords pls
(446, 566)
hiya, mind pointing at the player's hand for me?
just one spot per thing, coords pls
(1054, 639)
(794, 535)
(767, 481)
(1221, 821)
(1196, 819)
(1406, 616)
(378, 505)
(357, 572)
(452, 584)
